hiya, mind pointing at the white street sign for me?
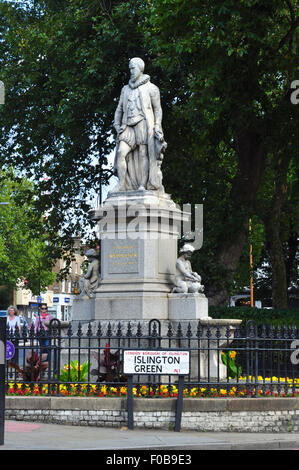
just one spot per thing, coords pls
(156, 362)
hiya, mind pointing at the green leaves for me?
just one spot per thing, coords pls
(24, 253)
(74, 372)
(224, 69)
(233, 56)
(229, 359)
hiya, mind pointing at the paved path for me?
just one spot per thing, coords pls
(20, 435)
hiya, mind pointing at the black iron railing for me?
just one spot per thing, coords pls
(225, 360)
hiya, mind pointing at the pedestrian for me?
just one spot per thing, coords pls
(13, 319)
(33, 319)
(14, 325)
(40, 321)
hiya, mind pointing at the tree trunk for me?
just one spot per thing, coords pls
(272, 226)
(249, 146)
(228, 260)
(279, 278)
(292, 251)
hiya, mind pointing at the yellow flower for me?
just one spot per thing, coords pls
(104, 390)
(232, 354)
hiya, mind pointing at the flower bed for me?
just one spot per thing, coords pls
(246, 386)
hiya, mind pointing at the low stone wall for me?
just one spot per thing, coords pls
(199, 414)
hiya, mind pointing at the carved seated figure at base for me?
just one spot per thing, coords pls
(186, 280)
(90, 281)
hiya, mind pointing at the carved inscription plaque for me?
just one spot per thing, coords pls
(123, 256)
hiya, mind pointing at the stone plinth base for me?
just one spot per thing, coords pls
(83, 309)
(187, 307)
(139, 232)
(119, 306)
(131, 306)
(215, 335)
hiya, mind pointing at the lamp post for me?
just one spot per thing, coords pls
(2, 368)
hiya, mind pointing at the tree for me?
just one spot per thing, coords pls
(239, 58)
(277, 204)
(224, 68)
(64, 64)
(61, 89)
(24, 252)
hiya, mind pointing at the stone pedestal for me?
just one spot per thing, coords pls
(83, 309)
(187, 307)
(211, 365)
(139, 232)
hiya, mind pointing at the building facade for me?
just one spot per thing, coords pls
(58, 297)
(65, 290)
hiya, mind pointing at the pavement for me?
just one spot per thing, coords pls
(21, 435)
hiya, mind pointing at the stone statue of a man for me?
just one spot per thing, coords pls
(140, 141)
(90, 281)
(186, 280)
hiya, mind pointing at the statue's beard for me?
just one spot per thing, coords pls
(134, 78)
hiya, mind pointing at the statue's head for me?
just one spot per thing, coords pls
(136, 66)
(91, 253)
(187, 250)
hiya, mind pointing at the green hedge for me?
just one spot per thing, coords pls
(271, 316)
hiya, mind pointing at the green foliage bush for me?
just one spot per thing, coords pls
(271, 316)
